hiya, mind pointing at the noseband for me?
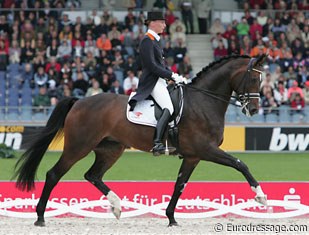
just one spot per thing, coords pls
(244, 97)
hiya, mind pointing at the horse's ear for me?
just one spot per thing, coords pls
(260, 60)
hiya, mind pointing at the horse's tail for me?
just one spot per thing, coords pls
(29, 161)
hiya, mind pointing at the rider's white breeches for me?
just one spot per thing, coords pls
(161, 95)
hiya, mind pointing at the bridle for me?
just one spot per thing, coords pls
(244, 97)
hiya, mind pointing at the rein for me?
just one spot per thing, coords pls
(243, 98)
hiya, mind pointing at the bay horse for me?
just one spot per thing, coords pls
(98, 123)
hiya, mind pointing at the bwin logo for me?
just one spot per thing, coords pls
(279, 141)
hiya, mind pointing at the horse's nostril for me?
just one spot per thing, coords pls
(253, 111)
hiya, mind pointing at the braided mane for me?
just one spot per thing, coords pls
(212, 64)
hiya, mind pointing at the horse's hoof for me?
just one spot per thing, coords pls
(173, 224)
(39, 223)
(261, 200)
(116, 212)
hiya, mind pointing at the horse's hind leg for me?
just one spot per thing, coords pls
(52, 178)
(107, 153)
(184, 174)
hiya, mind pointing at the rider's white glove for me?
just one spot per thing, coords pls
(179, 79)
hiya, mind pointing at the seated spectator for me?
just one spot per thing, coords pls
(220, 51)
(78, 50)
(286, 60)
(80, 86)
(171, 65)
(27, 53)
(185, 67)
(27, 75)
(118, 60)
(278, 28)
(276, 74)
(41, 101)
(216, 41)
(293, 31)
(306, 92)
(229, 32)
(66, 34)
(53, 64)
(291, 76)
(52, 91)
(78, 38)
(65, 51)
(180, 50)
(270, 104)
(53, 75)
(14, 53)
(114, 36)
(103, 43)
(297, 47)
(243, 28)
(216, 27)
(90, 64)
(127, 41)
(281, 93)
(90, 46)
(94, 89)
(298, 61)
(130, 65)
(245, 46)
(4, 56)
(94, 16)
(52, 50)
(40, 77)
(258, 49)
(233, 49)
(178, 34)
(140, 28)
(106, 81)
(129, 18)
(168, 50)
(295, 89)
(297, 104)
(130, 83)
(175, 24)
(255, 27)
(169, 19)
(302, 76)
(116, 88)
(261, 18)
(267, 82)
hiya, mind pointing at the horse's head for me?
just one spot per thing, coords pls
(248, 87)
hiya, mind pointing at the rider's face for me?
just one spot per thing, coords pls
(157, 25)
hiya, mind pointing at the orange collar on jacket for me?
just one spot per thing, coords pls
(150, 36)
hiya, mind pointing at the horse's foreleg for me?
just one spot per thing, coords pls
(52, 178)
(217, 155)
(184, 174)
(107, 153)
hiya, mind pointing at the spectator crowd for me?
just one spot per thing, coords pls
(279, 29)
(57, 56)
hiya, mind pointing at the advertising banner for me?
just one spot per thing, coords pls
(277, 138)
(199, 200)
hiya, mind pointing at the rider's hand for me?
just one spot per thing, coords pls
(178, 78)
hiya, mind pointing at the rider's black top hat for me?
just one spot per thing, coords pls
(154, 15)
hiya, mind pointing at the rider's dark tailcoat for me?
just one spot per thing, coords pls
(153, 67)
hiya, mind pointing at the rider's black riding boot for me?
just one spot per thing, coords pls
(158, 147)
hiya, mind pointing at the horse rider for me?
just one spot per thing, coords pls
(154, 77)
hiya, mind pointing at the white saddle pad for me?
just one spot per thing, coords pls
(143, 113)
